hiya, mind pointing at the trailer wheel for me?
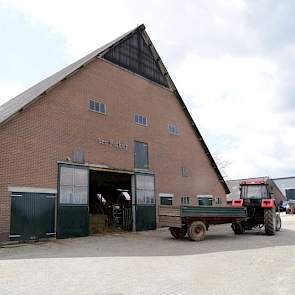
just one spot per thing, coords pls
(238, 228)
(197, 231)
(270, 221)
(278, 222)
(177, 233)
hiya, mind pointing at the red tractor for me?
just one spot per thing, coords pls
(262, 199)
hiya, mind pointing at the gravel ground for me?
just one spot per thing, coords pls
(154, 263)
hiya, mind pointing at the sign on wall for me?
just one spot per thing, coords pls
(117, 144)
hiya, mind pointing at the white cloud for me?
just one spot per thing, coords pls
(86, 24)
(8, 91)
(234, 97)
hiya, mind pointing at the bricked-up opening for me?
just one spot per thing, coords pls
(135, 55)
(110, 201)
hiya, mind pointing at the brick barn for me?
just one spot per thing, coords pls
(99, 145)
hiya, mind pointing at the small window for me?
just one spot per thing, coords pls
(184, 200)
(166, 199)
(218, 200)
(205, 200)
(184, 172)
(140, 120)
(98, 107)
(173, 129)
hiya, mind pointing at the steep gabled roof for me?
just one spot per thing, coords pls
(108, 51)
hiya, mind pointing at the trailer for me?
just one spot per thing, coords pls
(290, 207)
(195, 220)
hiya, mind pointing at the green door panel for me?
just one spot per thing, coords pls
(32, 216)
(72, 221)
(145, 217)
(72, 209)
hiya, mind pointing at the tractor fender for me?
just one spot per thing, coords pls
(237, 203)
(268, 203)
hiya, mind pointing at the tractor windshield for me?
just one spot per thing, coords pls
(254, 192)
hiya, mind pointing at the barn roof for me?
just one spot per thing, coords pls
(18, 103)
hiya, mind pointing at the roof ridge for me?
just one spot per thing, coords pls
(248, 178)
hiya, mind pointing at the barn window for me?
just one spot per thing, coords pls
(145, 189)
(97, 107)
(166, 199)
(218, 200)
(141, 159)
(173, 129)
(184, 172)
(73, 185)
(204, 200)
(140, 120)
(184, 200)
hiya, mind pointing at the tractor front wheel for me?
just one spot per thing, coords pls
(278, 222)
(270, 221)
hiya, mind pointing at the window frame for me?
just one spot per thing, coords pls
(99, 103)
(166, 196)
(145, 189)
(184, 171)
(218, 200)
(204, 197)
(187, 202)
(173, 129)
(146, 167)
(73, 185)
(137, 120)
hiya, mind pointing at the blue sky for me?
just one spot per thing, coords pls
(233, 62)
(30, 51)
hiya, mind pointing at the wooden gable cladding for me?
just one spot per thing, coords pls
(136, 56)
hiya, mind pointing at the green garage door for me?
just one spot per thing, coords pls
(32, 216)
(72, 210)
(145, 207)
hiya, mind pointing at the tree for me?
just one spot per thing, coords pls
(221, 163)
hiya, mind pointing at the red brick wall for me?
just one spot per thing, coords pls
(48, 131)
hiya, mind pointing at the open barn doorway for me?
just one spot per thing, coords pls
(110, 202)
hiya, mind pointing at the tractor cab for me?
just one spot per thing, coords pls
(253, 192)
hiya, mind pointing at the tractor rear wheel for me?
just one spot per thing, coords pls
(197, 231)
(238, 228)
(177, 233)
(270, 221)
(278, 222)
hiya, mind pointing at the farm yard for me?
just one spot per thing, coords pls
(138, 263)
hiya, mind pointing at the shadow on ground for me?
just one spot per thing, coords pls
(151, 243)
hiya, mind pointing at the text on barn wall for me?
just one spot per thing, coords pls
(117, 144)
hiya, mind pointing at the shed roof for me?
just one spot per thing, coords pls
(15, 105)
(234, 185)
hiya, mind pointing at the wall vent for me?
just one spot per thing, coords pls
(78, 157)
